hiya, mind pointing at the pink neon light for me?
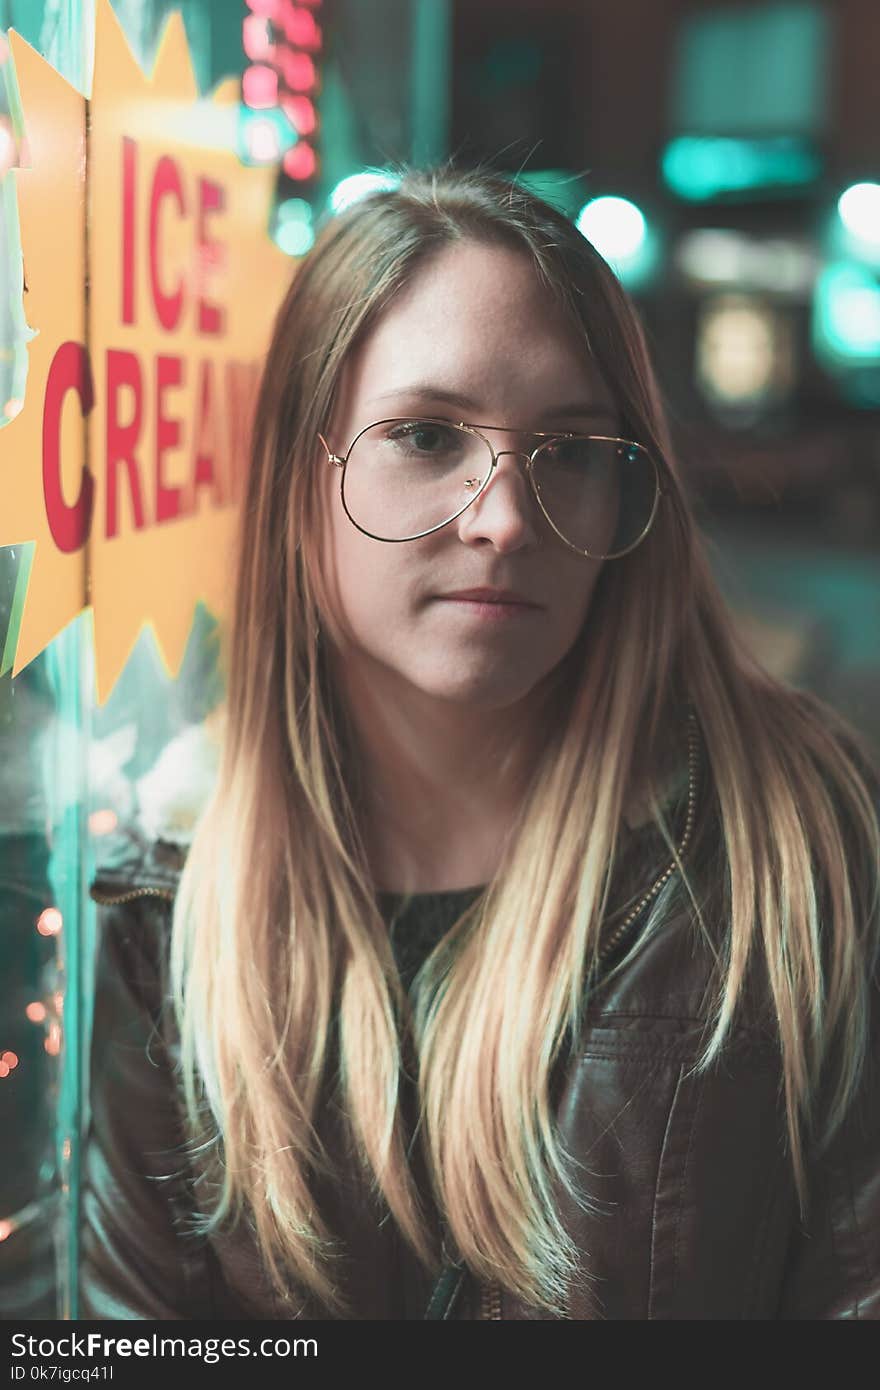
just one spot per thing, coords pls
(256, 39)
(259, 87)
(103, 821)
(266, 9)
(300, 28)
(49, 922)
(298, 70)
(300, 162)
(301, 114)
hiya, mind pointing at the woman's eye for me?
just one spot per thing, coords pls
(426, 439)
(571, 453)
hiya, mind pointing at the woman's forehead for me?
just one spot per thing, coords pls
(475, 324)
(474, 285)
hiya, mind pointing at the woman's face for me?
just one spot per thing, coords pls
(473, 324)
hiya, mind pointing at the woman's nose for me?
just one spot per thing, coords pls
(506, 509)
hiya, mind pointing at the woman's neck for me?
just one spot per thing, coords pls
(442, 784)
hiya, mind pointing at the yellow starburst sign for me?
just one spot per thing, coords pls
(152, 283)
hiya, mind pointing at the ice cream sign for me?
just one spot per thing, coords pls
(151, 283)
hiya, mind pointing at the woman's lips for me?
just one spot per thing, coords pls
(494, 611)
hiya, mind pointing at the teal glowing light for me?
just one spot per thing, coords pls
(859, 209)
(846, 315)
(294, 210)
(295, 232)
(699, 168)
(295, 238)
(620, 233)
(357, 186)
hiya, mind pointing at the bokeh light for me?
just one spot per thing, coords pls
(357, 186)
(264, 135)
(256, 38)
(264, 142)
(259, 87)
(721, 256)
(300, 111)
(846, 314)
(699, 168)
(299, 70)
(300, 28)
(295, 232)
(615, 226)
(622, 235)
(103, 822)
(300, 162)
(49, 922)
(266, 9)
(859, 209)
(742, 350)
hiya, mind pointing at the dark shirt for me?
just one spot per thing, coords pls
(418, 921)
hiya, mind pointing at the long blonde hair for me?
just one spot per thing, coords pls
(278, 944)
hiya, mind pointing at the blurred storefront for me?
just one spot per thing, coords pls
(707, 149)
(725, 157)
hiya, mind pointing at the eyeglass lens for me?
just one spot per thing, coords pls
(406, 477)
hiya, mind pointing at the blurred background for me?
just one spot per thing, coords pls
(725, 159)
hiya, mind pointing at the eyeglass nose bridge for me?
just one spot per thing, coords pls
(516, 453)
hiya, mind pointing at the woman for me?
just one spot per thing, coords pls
(524, 960)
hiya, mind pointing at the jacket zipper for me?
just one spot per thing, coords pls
(145, 891)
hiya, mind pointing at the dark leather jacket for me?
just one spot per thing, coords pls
(691, 1174)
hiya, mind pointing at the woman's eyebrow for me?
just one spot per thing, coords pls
(572, 410)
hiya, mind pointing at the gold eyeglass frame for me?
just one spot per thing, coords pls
(341, 460)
